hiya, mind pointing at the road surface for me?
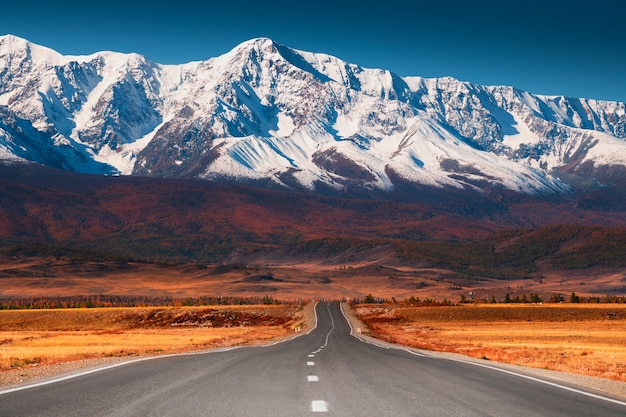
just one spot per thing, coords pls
(327, 371)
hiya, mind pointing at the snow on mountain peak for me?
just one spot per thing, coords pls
(264, 111)
(15, 50)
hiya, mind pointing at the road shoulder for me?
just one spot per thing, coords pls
(599, 385)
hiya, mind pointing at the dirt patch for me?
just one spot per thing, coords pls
(155, 318)
(261, 278)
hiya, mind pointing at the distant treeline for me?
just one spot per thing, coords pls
(554, 298)
(11, 249)
(99, 301)
(508, 299)
(415, 301)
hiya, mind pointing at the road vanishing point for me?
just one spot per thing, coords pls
(329, 371)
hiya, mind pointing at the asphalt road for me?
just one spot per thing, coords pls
(327, 371)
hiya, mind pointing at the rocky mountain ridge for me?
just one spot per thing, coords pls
(266, 113)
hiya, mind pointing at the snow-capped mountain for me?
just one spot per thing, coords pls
(266, 112)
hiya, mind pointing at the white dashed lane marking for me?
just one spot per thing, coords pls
(319, 406)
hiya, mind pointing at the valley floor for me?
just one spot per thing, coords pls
(294, 281)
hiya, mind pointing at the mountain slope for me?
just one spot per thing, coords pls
(201, 221)
(268, 114)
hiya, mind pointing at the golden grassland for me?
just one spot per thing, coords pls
(45, 337)
(584, 339)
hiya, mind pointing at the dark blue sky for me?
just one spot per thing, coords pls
(546, 47)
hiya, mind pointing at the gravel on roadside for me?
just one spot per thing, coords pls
(31, 373)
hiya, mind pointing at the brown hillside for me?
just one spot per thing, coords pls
(63, 233)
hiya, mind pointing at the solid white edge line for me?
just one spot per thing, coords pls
(129, 362)
(553, 384)
(358, 337)
(293, 337)
(494, 368)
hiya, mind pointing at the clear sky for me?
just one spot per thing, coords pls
(548, 47)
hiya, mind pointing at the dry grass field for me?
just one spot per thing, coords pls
(45, 337)
(584, 339)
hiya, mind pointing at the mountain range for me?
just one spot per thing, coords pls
(270, 115)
